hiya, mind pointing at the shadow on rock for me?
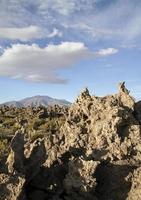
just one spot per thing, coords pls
(112, 181)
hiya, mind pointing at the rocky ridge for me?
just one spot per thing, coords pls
(95, 155)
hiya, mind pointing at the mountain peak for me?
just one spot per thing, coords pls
(38, 100)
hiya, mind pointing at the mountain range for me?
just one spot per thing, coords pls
(37, 101)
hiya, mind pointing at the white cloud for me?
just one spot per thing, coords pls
(24, 34)
(43, 64)
(86, 20)
(106, 52)
(27, 33)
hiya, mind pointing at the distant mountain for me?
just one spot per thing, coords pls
(13, 104)
(37, 101)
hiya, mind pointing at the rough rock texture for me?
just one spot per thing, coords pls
(95, 155)
(11, 187)
(16, 157)
(103, 128)
(80, 179)
(135, 192)
(22, 167)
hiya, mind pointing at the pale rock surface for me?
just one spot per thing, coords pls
(96, 155)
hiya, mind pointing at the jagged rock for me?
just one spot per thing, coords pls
(124, 97)
(123, 89)
(80, 177)
(37, 155)
(103, 125)
(95, 155)
(84, 95)
(22, 165)
(15, 160)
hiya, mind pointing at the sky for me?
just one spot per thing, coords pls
(59, 47)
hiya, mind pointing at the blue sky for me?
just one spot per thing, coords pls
(58, 47)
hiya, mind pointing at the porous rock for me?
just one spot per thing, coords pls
(95, 155)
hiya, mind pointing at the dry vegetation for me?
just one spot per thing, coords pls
(37, 122)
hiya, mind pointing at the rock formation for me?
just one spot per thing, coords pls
(95, 155)
(16, 157)
(135, 192)
(21, 167)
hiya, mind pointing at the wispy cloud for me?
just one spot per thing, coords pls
(43, 64)
(106, 52)
(117, 21)
(54, 33)
(27, 33)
